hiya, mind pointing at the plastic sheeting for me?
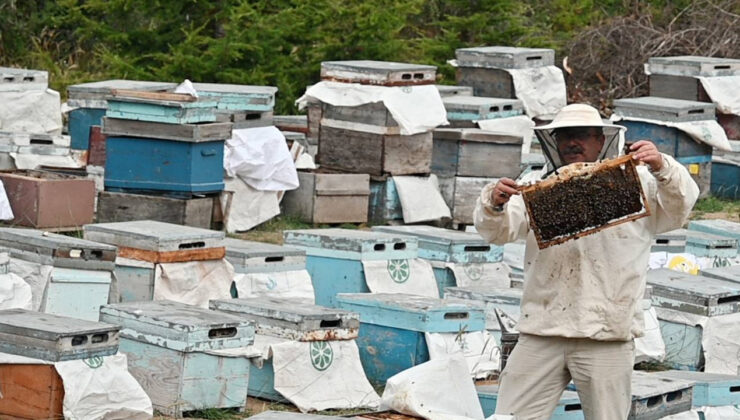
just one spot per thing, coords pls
(31, 111)
(688, 263)
(15, 293)
(193, 282)
(720, 338)
(187, 88)
(35, 275)
(434, 390)
(28, 161)
(281, 284)
(260, 157)
(319, 375)
(249, 207)
(420, 198)
(479, 349)
(651, 345)
(520, 125)
(541, 89)
(722, 90)
(495, 275)
(413, 276)
(706, 131)
(416, 109)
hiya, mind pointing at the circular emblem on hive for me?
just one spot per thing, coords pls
(399, 270)
(321, 355)
(93, 362)
(474, 271)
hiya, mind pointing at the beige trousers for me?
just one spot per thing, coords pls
(539, 369)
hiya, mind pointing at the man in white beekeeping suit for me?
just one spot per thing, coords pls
(579, 309)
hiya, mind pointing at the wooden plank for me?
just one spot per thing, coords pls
(30, 392)
(156, 130)
(172, 256)
(157, 96)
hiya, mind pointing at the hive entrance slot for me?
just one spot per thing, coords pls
(493, 109)
(222, 332)
(672, 396)
(653, 401)
(254, 116)
(29, 79)
(418, 76)
(477, 248)
(8, 79)
(728, 299)
(735, 388)
(456, 315)
(722, 67)
(406, 76)
(330, 323)
(79, 340)
(572, 407)
(661, 241)
(190, 245)
(379, 247)
(399, 246)
(696, 111)
(507, 107)
(99, 338)
(273, 259)
(534, 57)
(41, 141)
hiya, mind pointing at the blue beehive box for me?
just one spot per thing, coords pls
(695, 295)
(701, 244)
(334, 257)
(384, 204)
(463, 111)
(90, 102)
(171, 108)
(392, 328)
(710, 389)
(448, 246)
(717, 226)
(507, 300)
(726, 171)
(238, 97)
(170, 353)
(164, 165)
(568, 408)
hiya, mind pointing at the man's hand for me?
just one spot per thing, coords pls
(646, 152)
(504, 189)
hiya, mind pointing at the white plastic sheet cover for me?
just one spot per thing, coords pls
(479, 348)
(32, 111)
(434, 390)
(35, 275)
(102, 388)
(420, 198)
(651, 345)
(541, 89)
(723, 91)
(411, 276)
(720, 338)
(282, 284)
(320, 375)
(187, 88)
(27, 161)
(260, 157)
(495, 275)
(705, 131)
(416, 109)
(249, 207)
(520, 125)
(193, 282)
(15, 293)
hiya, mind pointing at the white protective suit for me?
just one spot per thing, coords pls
(591, 287)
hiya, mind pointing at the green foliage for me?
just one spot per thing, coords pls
(713, 204)
(276, 42)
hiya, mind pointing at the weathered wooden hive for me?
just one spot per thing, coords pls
(581, 202)
(464, 111)
(13, 79)
(383, 73)
(326, 197)
(243, 105)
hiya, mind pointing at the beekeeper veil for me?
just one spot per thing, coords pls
(579, 115)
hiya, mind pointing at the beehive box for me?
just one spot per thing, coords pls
(454, 90)
(731, 273)
(710, 389)
(245, 119)
(46, 200)
(697, 243)
(568, 407)
(53, 337)
(353, 151)
(167, 344)
(13, 79)
(30, 392)
(507, 300)
(483, 68)
(677, 77)
(384, 204)
(448, 246)
(614, 184)
(695, 295)
(373, 117)
(173, 108)
(117, 127)
(718, 227)
(292, 319)
(726, 171)
(187, 167)
(461, 193)
(57, 250)
(329, 198)
(464, 111)
(383, 73)
(238, 97)
(122, 207)
(475, 153)
(296, 123)
(392, 328)
(135, 280)
(664, 109)
(655, 397)
(260, 257)
(33, 139)
(334, 257)
(157, 242)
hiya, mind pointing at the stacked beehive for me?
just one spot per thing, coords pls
(356, 143)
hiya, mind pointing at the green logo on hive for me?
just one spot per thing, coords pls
(94, 362)
(399, 270)
(321, 355)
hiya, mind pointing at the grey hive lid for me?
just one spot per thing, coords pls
(174, 315)
(46, 326)
(105, 87)
(668, 109)
(645, 385)
(433, 233)
(341, 239)
(376, 66)
(39, 238)
(486, 294)
(287, 309)
(670, 281)
(405, 302)
(250, 249)
(235, 89)
(694, 65)
(151, 235)
(506, 57)
(477, 135)
(20, 76)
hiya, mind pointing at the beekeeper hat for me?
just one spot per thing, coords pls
(578, 115)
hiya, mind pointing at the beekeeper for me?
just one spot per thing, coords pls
(579, 310)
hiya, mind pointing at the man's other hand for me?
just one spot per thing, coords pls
(646, 152)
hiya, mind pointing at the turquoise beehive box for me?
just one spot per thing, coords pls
(717, 227)
(568, 408)
(710, 389)
(259, 257)
(692, 294)
(334, 257)
(448, 246)
(701, 244)
(507, 300)
(392, 328)
(238, 97)
(171, 353)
